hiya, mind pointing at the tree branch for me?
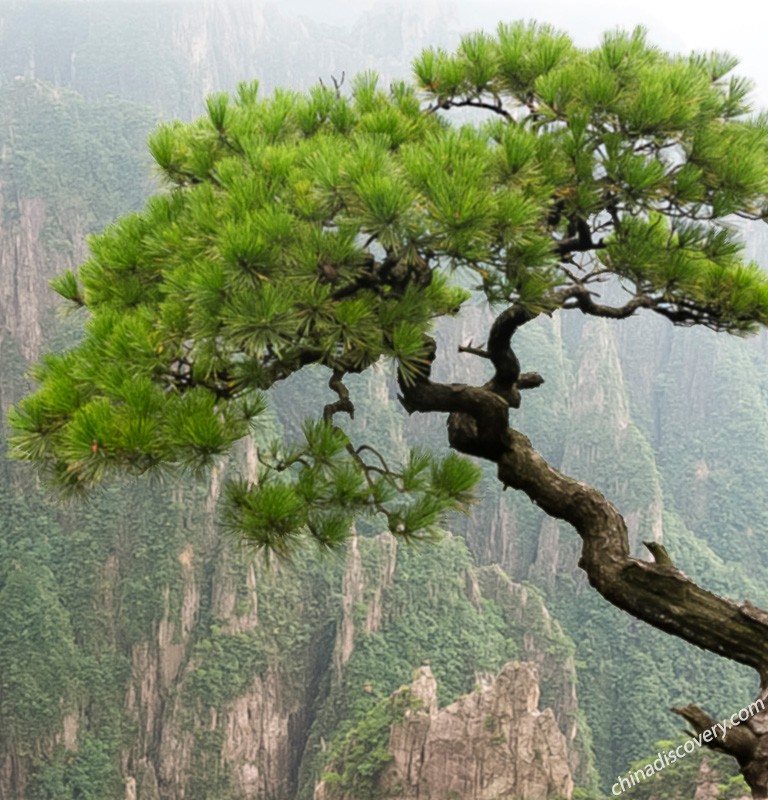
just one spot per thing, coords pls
(502, 356)
(582, 299)
(497, 108)
(580, 242)
(474, 351)
(658, 594)
(659, 553)
(343, 403)
(738, 742)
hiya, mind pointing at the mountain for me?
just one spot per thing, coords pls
(146, 656)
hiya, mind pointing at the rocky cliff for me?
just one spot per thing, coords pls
(207, 46)
(157, 662)
(475, 616)
(145, 656)
(489, 745)
(190, 670)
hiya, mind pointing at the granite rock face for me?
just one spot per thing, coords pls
(491, 744)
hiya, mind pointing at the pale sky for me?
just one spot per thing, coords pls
(739, 27)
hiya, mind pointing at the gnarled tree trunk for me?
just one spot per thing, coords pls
(656, 592)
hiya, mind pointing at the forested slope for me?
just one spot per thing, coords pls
(143, 652)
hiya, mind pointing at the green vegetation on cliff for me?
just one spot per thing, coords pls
(81, 593)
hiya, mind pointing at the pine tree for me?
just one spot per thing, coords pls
(333, 229)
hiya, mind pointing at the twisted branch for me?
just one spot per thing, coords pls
(656, 593)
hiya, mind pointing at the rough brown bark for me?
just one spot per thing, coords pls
(656, 592)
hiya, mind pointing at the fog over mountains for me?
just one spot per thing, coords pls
(144, 656)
